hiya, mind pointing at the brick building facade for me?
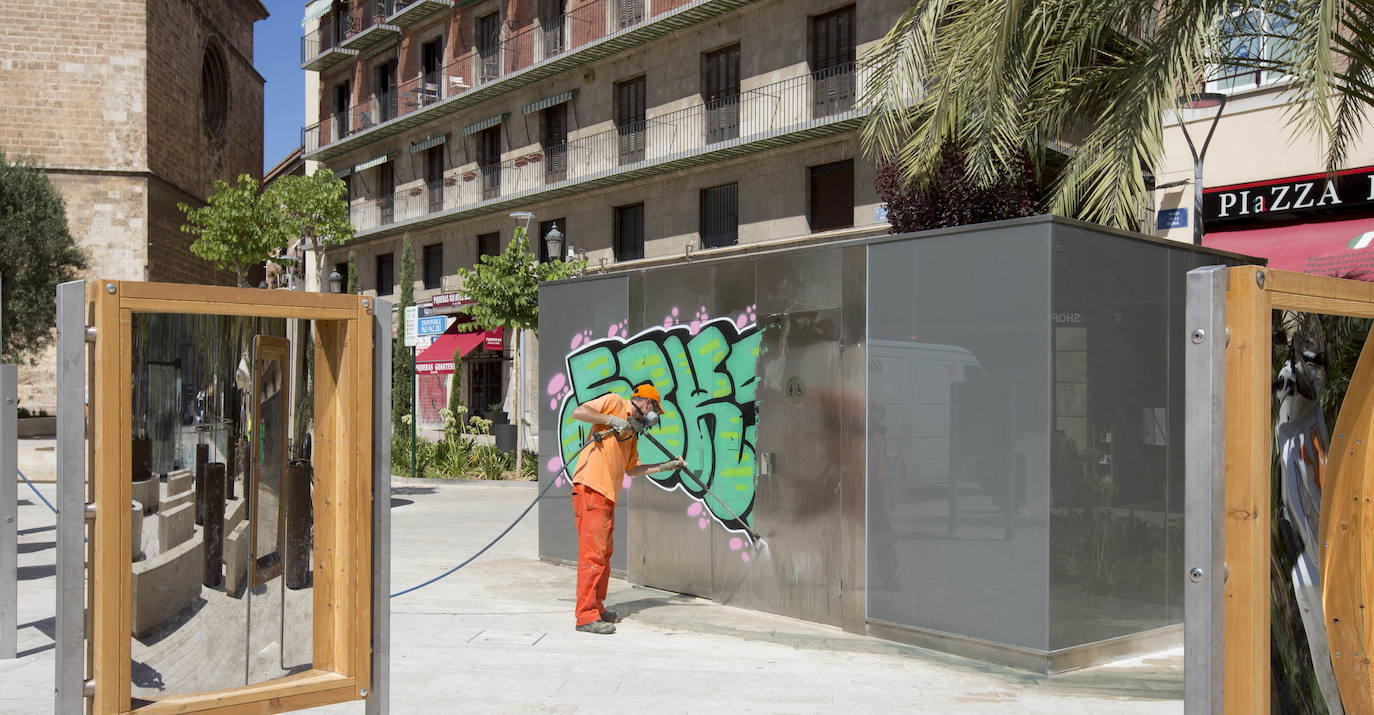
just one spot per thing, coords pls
(131, 110)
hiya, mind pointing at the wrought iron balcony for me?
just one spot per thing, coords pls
(320, 48)
(798, 109)
(409, 13)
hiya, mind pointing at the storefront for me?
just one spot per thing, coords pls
(1316, 223)
(482, 354)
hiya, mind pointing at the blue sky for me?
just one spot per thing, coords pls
(277, 50)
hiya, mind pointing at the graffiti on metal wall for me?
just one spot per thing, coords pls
(705, 371)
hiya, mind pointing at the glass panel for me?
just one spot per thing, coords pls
(1314, 361)
(958, 435)
(211, 610)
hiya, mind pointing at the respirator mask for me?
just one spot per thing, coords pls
(647, 422)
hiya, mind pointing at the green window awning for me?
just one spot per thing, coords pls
(372, 162)
(547, 102)
(341, 173)
(484, 124)
(429, 143)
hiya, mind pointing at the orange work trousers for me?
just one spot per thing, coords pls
(595, 517)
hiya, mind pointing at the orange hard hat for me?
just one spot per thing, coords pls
(649, 392)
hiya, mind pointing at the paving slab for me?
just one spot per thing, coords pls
(497, 636)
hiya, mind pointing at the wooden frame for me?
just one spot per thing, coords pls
(343, 517)
(268, 566)
(1254, 293)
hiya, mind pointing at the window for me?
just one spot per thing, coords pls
(386, 275)
(489, 161)
(720, 90)
(488, 244)
(434, 265)
(720, 216)
(555, 142)
(342, 269)
(832, 196)
(1251, 34)
(342, 93)
(487, 387)
(629, 119)
(544, 228)
(348, 189)
(832, 62)
(629, 12)
(386, 91)
(386, 192)
(629, 232)
(552, 22)
(214, 89)
(488, 47)
(431, 68)
(434, 177)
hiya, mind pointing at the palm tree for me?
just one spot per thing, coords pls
(1091, 79)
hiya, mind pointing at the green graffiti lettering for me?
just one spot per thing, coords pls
(708, 384)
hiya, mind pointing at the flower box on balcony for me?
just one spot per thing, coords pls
(521, 161)
(469, 176)
(450, 181)
(415, 191)
(535, 157)
(383, 202)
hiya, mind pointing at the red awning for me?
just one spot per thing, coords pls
(1344, 249)
(437, 359)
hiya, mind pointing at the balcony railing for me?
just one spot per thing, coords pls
(793, 106)
(519, 50)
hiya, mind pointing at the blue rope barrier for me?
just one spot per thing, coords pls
(35, 491)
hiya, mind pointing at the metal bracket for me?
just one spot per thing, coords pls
(88, 512)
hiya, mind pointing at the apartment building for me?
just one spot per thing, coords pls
(1266, 191)
(131, 108)
(644, 130)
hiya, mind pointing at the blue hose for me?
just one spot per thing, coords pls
(35, 491)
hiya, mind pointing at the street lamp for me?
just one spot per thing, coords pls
(1205, 100)
(335, 281)
(553, 243)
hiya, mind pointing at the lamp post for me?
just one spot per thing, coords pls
(335, 281)
(1204, 100)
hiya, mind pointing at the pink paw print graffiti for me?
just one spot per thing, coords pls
(698, 511)
(557, 389)
(619, 330)
(670, 320)
(581, 338)
(555, 467)
(747, 318)
(700, 318)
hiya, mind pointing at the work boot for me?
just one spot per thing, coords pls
(600, 627)
(610, 616)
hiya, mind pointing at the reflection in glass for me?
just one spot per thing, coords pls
(197, 622)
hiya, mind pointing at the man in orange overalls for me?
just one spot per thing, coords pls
(596, 483)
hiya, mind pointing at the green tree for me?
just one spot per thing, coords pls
(36, 253)
(504, 288)
(402, 364)
(1004, 77)
(455, 396)
(313, 209)
(238, 227)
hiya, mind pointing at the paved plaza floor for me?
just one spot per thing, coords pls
(498, 636)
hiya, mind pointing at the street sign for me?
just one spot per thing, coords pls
(432, 325)
(412, 316)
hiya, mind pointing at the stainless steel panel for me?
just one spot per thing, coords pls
(9, 509)
(675, 528)
(799, 508)
(853, 439)
(70, 628)
(1204, 648)
(379, 694)
(572, 314)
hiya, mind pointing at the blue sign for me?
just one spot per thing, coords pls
(880, 213)
(433, 325)
(1171, 218)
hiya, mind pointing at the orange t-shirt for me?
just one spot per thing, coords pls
(603, 464)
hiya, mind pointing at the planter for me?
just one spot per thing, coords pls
(142, 458)
(469, 176)
(521, 161)
(299, 519)
(505, 437)
(37, 426)
(535, 157)
(415, 191)
(383, 202)
(450, 181)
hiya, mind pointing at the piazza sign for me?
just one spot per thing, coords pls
(1294, 195)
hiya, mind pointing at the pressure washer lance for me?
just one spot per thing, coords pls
(643, 427)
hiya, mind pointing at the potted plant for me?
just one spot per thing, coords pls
(415, 191)
(536, 156)
(496, 414)
(469, 176)
(521, 161)
(450, 181)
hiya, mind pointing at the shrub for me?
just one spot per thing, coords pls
(491, 462)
